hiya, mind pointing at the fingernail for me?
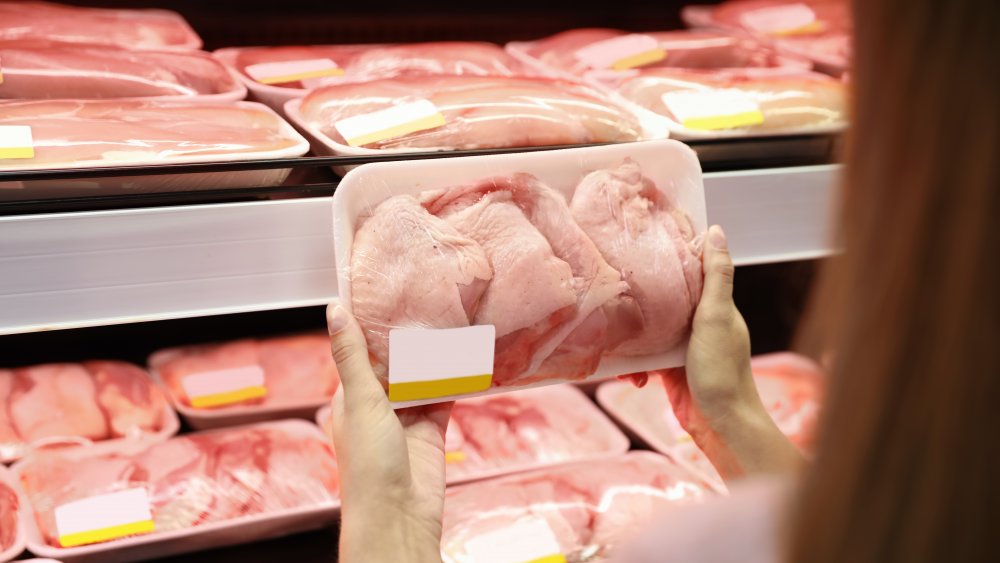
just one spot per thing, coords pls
(718, 237)
(336, 319)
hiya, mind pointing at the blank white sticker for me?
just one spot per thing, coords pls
(779, 19)
(389, 123)
(529, 539)
(606, 53)
(293, 71)
(713, 109)
(16, 141)
(223, 381)
(103, 511)
(420, 354)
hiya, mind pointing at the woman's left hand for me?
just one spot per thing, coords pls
(391, 462)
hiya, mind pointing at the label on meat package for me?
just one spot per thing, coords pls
(791, 19)
(224, 387)
(389, 123)
(1, 71)
(433, 363)
(622, 53)
(16, 142)
(293, 71)
(713, 109)
(529, 540)
(104, 517)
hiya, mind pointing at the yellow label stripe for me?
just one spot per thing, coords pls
(417, 390)
(810, 28)
(454, 457)
(549, 559)
(105, 534)
(429, 122)
(640, 59)
(321, 73)
(17, 152)
(229, 397)
(1, 77)
(725, 121)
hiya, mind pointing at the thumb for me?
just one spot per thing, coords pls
(350, 353)
(719, 269)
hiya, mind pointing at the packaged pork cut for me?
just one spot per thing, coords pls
(494, 273)
(61, 134)
(790, 385)
(574, 513)
(705, 104)
(134, 29)
(79, 403)
(275, 75)
(578, 51)
(11, 531)
(145, 500)
(36, 69)
(248, 380)
(522, 431)
(460, 112)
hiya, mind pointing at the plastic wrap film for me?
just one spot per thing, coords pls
(194, 480)
(136, 29)
(295, 369)
(520, 431)
(477, 112)
(9, 519)
(43, 69)
(80, 133)
(789, 101)
(681, 49)
(78, 403)
(589, 508)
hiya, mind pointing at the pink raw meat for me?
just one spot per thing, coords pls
(684, 49)
(137, 29)
(649, 240)
(548, 276)
(193, 480)
(590, 507)
(42, 69)
(117, 132)
(56, 400)
(411, 269)
(8, 517)
(479, 112)
(132, 404)
(8, 434)
(425, 59)
(789, 100)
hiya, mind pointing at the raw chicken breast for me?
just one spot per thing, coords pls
(684, 49)
(640, 232)
(105, 132)
(479, 112)
(135, 29)
(43, 69)
(832, 15)
(8, 516)
(95, 400)
(590, 508)
(789, 100)
(412, 269)
(548, 276)
(297, 369)
(195, 479)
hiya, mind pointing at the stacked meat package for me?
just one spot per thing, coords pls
(11, 532)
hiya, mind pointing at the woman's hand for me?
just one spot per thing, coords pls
(714, 397)
(391, 462)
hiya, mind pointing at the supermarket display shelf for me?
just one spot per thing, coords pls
(78, 269)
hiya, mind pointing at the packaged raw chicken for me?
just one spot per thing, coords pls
(578, 51)
(144, 500)
(11, 531)
(733, 102)
(278, 74)
(521, 431)
(574, 513)
(56, 404)
(460, 112)
(248, 380)
(59, 134)
(41, 69)
(791, 387)
(135, 29)
(503, 271)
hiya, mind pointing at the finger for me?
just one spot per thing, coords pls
(676, 385)
(350, 353)
(437, 415)
(719, 269)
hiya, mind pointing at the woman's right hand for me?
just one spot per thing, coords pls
(714, 397)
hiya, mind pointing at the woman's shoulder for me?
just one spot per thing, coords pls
(743, 527)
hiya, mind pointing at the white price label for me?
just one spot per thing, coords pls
(104, 517)
(622, 53)
(224, 387)
(389, 123)
(293, 71)
(16, 142)
(529, 540)
(713, 109)
(790, 19)
(433, 363)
